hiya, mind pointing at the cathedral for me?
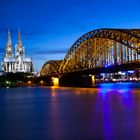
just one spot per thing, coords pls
(16, 62)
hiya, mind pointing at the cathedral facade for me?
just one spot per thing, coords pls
(16, 62)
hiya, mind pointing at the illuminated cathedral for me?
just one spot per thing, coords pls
(16, 62)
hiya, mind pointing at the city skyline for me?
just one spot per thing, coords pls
(49, 28)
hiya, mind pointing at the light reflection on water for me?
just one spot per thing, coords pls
(123, 87)
(117, 101)
(110, 112)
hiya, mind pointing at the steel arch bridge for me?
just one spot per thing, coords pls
(51, 67)
(101, 48)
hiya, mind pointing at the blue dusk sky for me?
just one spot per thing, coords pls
(50, 27)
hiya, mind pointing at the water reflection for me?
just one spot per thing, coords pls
(107, 122)
(120, 88)
(116, 101)
(110, 112)
(55, 116)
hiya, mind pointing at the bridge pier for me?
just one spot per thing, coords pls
(93, 80)
(77, 80)
(55, 81)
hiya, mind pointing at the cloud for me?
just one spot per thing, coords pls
(49, 52)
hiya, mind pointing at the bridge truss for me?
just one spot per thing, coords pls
(99, 48)
(102, 48)
(51, 67)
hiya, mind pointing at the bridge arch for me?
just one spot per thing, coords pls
(50, 67)
(103, 47)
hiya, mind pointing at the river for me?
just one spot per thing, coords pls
(109, 112)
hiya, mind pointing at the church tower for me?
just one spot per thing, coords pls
(18, 62)
(9, 49)
(19, 46)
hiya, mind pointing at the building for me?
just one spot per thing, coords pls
(16, 62)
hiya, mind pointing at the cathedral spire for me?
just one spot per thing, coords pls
(9, 42)
(16, 62)
(19, 46)
(9, 49)
(19, 38)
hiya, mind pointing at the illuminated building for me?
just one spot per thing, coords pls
(17, 62)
